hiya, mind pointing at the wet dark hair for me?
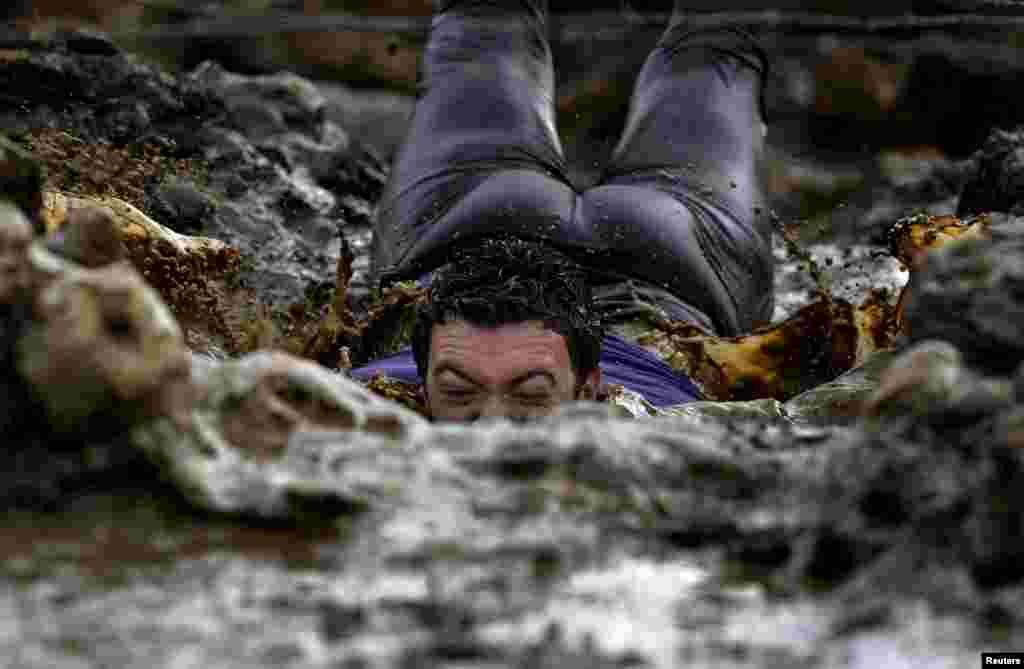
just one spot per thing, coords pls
(508, 280)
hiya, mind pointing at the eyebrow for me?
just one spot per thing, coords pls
(455, 369)
(532, 374)
(519, 380)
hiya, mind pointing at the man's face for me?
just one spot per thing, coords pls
(518, 370)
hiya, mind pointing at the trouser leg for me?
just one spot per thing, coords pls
(485, 103)
(697, 103)
(685, 171)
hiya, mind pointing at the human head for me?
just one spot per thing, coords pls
(508, 330)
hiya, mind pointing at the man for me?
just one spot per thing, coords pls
(524, 266)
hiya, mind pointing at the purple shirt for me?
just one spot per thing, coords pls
(623, 363)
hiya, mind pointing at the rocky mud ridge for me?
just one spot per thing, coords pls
(192, 480)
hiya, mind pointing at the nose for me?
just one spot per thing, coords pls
(493, 407)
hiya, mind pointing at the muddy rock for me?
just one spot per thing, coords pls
(88, 235)
(584, 537)
(19, 413)
(559, 539)
(267, 172)
(843, 398)
(930, 379)
(247, 433)
(232, 450)
(912, 181)
(930, 487)
(80, 359)
(996, 180)
(95, 92)
(101, 349)
(15, 239)
(969, 294)
(196, 277)
(182, 205)
(378, 117)
(941, 495)
(316, 182)
(737, 409)
(282, 114)
(251, 101)
(558, 515)
(21, 179)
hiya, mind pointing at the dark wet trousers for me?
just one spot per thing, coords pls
(677, 217)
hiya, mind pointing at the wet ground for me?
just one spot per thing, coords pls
(521, 555)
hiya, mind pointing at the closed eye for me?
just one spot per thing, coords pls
(533, 398)
(457, 394)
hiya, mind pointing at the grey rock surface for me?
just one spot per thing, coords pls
(970, 294)
(231, 471)
(586, 539)
(283, 182)
(996, 180)
(378, 118)
(306, 182)
(841, 399)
